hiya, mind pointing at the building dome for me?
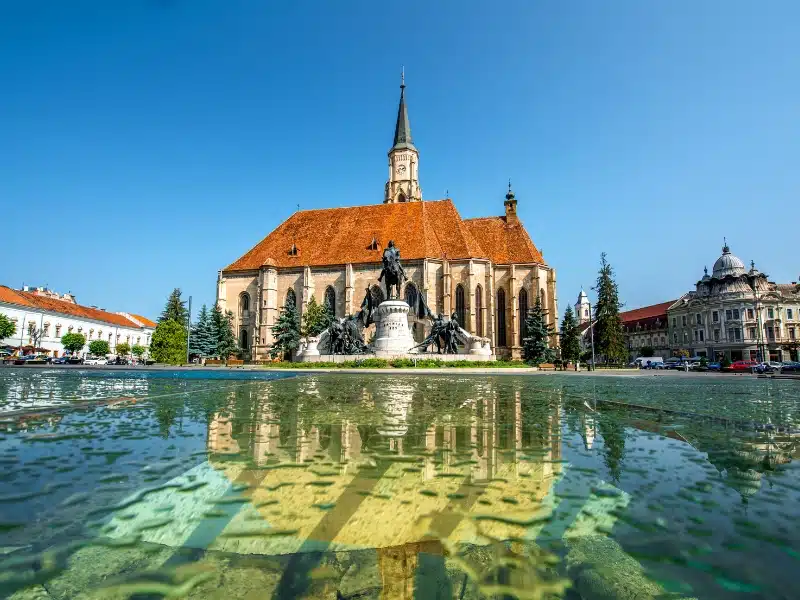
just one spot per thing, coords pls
(728, 264)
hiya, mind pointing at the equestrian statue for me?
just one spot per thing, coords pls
(392, 270)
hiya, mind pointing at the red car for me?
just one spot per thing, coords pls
(742, 366)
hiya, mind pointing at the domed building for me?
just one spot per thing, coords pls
(738, 313)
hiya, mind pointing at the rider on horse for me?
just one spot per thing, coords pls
(392, 269)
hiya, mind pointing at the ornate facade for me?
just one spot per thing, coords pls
(485, 270)
(737, 313)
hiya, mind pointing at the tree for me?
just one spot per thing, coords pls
(202, 341)
(123, 349)
(73, 342)
(570, 337)
(226, 340)
(138, 351)
(609, 338)
(647, 351)
(7, 327)
(98, 347)
(36, 336)
(536, 344)
(175, 310)
(316, 319)
(286, 332)
(169, 343)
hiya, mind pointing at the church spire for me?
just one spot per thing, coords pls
(402, 130)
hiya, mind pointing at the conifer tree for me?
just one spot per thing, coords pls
(226, 340)
(536, 343)
(175, 310)
(202, 342)
(286, 332)
(570, 341)
(608, 336)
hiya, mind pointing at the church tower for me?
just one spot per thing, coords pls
(403, 184)
(582, 308)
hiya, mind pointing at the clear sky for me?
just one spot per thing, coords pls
(146, 144)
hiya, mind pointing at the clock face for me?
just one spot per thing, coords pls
(401, 169)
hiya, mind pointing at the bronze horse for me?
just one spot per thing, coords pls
(392, 271)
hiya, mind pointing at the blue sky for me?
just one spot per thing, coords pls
(147, 144)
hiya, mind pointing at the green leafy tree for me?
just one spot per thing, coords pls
(608, 334)
(316, 319)
(138, 351)
(123, 349)
(98, 347)
(169, 343)
(286, 332)
(202, 341)
(536, 343)
(570, 337)
(226, 340)
(73, 342)
(7, 327)
(175, 310)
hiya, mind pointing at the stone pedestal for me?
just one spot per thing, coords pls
(311, 348)
(392, 333)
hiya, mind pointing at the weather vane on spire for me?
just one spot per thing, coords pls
(402, 76)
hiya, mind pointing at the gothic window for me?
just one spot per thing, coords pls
(460, 305)
(479, 311)
(501, 317)
(244, 303)
(291, 298)
(330, 300)
(523, 314)
(411, 296)
(377, 295)
(243, 340)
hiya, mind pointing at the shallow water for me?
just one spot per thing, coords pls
(398, 486)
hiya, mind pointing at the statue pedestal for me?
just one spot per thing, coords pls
(392, 333)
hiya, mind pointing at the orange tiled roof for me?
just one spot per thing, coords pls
(646, 312)
(429, 229)
(33, 301)
(144, 320)
(504, 243)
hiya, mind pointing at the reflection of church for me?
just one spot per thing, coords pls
(391, 469)
(486, 270)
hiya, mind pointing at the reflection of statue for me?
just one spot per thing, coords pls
(392, 270)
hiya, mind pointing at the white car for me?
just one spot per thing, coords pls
(95, 361)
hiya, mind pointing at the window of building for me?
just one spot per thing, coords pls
(109, 337)
(715, 316)
(685, 337)
(58, 330)
(730, 334)
(699, 319)
(770, 313)
(586, 313)
(460, 305)
(99, 333)
(330, 298)
(127, 339)
(674, 322)
(46, 330)
(735, 313)
(675, 337)
(91, 333)
(243, 340)
(695, 335)
(789, 314)
(138, 339)
(244, 303)
(702, 335)
(716, 335)
(683, 320)
(479, 311)
(751, 333)
(750, 313)
(523, 315)
(291, 298)
(792, 334)
(501, 317)
(737, 334)
(770, 333)
(728, 314)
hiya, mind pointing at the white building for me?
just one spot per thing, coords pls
(42, 317)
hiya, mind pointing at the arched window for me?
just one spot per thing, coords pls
(377, 295)
(243, 339)
(291, 298)
(244, 303)
(460, 305)
(479, 311)
(523, 314)
(411, 297)
(501, 317)
(330, 300)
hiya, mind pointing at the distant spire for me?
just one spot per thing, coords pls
(402, 130)
(510, 194)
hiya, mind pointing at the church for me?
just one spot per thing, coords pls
(485, 270)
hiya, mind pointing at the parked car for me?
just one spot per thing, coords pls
(790, 367)
(647, 362)
(768, 367)
(61, 360)
(742, 366)
(92, 360)
(714, 366)
(673, 363)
